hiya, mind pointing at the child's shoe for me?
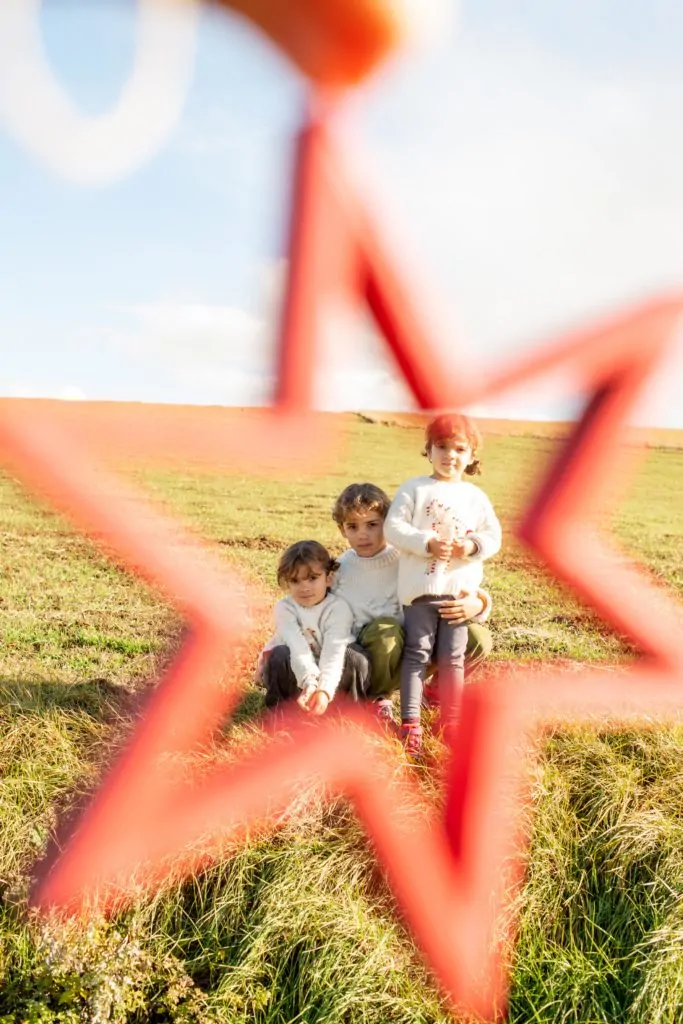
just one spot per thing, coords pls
(411, 737)
(384, 712)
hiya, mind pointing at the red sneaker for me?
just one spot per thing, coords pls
(384, 712)
(411, 737)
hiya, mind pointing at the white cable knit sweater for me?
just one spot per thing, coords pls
(370, 587)
(317, 638)
(425, 508)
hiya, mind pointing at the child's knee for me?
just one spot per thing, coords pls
(357, 658)
(276, 665)
(384, 631)
(278, 657)
(479, 642)
(387, 624)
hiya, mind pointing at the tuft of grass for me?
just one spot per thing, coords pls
(605, 880)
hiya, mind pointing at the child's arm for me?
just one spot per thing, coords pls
(301, 657)
(337, 635)
(399, 529)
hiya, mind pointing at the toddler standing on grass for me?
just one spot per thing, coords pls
(444, 528)
(313, 653)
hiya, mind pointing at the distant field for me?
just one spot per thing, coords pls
(653, 437)
(122, 419)
(299, 929)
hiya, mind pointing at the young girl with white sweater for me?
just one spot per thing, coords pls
(313, 653)
(444, 528)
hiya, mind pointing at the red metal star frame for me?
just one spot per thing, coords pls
(451, 877)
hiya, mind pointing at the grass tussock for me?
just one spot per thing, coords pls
(600, 927)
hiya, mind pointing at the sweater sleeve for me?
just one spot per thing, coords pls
(301, 657)
(398, 527)
(484, 614)
(337, 635)
(487, 535)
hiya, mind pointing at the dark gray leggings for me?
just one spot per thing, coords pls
(281, 684)
(428, 637)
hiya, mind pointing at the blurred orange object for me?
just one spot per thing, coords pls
(336, 43)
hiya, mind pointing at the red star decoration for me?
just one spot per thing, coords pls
(450, 876)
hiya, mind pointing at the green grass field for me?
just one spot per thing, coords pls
(300, 927)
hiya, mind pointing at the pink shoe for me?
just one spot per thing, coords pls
(384, 712)
(411, 737)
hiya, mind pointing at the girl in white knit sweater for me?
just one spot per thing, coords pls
(313, 653)
(444, 528)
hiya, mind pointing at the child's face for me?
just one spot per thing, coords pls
(309, 584)
(450, 457)
(364, 531)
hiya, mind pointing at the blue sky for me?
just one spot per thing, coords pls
(534, 159)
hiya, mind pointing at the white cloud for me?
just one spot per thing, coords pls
(221, 348)
(21, 389)
(71, 393)
(230, 353)
(17, 389)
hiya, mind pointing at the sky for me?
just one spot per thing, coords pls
(531, 163)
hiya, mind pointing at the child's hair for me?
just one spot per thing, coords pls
(304, 552)
(360, 498)
(455, 425)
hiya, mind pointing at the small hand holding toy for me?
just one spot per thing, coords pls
(463, 547)
(441, 549)
(318, 703)
(306, 695)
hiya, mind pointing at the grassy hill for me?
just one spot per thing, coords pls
(299, 927)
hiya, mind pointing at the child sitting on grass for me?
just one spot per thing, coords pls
(444, 528)
(367, 578)
(312, 654)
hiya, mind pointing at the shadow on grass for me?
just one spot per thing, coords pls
(99, 698)
(249, 708)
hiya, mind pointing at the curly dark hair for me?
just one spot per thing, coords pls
(303, 553)
(360, 498)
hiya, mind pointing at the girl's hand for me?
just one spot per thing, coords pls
(318, 703)
(463, 548)
(441, 549)
(463, 607)
(306, 695)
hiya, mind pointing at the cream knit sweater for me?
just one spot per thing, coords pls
(370, 587)
(317, 638)
(425, 508)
